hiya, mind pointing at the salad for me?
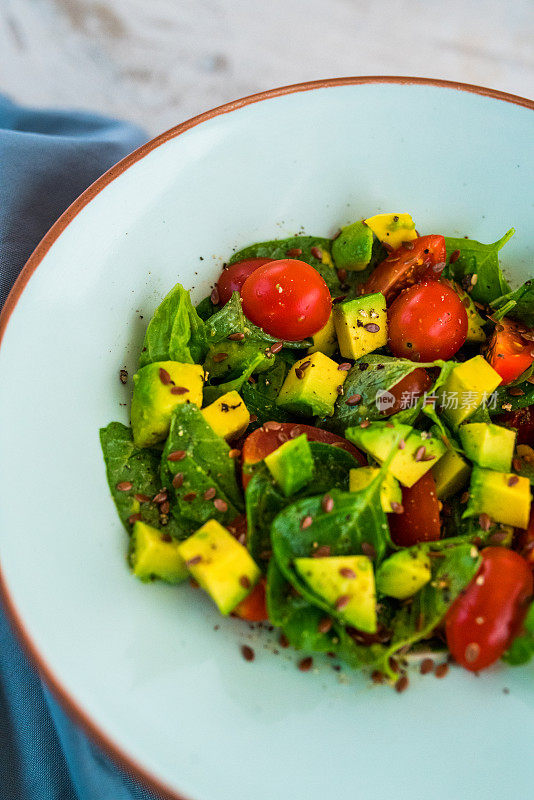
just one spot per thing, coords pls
(339, 442)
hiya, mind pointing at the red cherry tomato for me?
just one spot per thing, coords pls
(427, 321)
(407, 391)
(420, 259)
(524, 542)
(523, 420)
(233, 277)
(419, 522)
(265, 440)
(287, 298)
(508, 353)
(482, 622)
(254, 607)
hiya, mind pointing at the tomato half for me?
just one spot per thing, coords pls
(420, 259)
(287, 298)
(522, 420)
(509, 353)
(254, 607)
(419, 522)
(271, 435)
(427, 321)
(233, 277)
(407, 391)
(483, 621)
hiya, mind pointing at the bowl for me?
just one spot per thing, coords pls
(153, 673)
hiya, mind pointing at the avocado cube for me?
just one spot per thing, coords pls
(228, 416)
(361, 325)
(488, 445)
(467, 387)
(404, 573)
(353, 247)
(503, 496)
(153, 554)
(222, 566)
(393, 229)
(312, 386)
(291, 464)
(325, 340)
(347, 584)
(390, 491)
(451, 474)
(158, 389)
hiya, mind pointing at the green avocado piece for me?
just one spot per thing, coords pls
(475, 332)
(347, 583)
(470, 384)
(503, 496)
(404, 573)
(488, 445)
(390, 491)
(312, 386)
(353, 247)
(154, 554)
(291, 465)
(451, 474)
(361, 325)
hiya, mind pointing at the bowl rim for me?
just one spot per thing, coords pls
(69, 703)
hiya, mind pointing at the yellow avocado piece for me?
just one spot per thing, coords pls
(222, 566)
(228, 416)
(475, 332)
(155, 555)
(394, 229)
(503, 496)
(467, 387)
(451, 474)
(312, 386)
(158, 389)
(390, 491)
(325, 340)
(361, 325)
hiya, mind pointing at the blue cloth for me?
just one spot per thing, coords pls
(47, 158)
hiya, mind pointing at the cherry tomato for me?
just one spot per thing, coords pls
(270, 436)
(482, 622)
(427, 321)
(407, 391)
(509, 353)
(419, 522)
(523, 420)
(287, 298)
(233, 277)
(524, 541)
(254, 607)
(420, 259)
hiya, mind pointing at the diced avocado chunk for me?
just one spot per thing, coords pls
(404, 573)
(153, 554)
(291, 464)
(451, 474)
(228, 416)
(467, 387)
(488, 445)
(158, 389)
(222, 566)
(312, 386)
(347, 583)
(325, 340)
(361, 325)
(418, 451)
(475, 331)
(390, 491)
(503, 496)
(353, 247)
(393, 229)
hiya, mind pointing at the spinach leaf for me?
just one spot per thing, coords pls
(205, 466)
(522, 648)
(205, 309)
(262, 406)
(125, 464)
(481, 260)
(504, 401)
(175, 332)
(211, 393)
(278, 248)
(519, 304)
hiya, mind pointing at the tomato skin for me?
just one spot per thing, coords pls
(415, 385)
(525, 541)
(483, 621)
(423, 258)
(523, 420)
(508, 353)
(420, 520)
(263, 441)
(254, 607)
(427, 321)
(233, 277)
(287, 298)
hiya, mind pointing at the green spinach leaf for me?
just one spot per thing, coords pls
(481, 260)
(175, 332)
(505, 401)
(519, 304)
(522, 648)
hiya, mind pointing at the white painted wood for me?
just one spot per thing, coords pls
(158, 62)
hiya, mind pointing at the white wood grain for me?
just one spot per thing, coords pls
(158, 62)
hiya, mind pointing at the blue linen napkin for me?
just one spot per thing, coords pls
(47, 158)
